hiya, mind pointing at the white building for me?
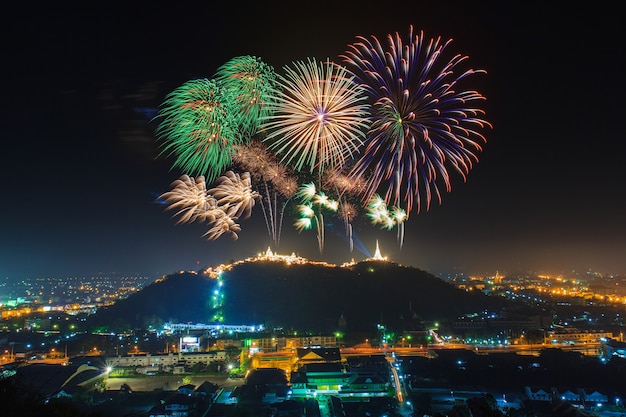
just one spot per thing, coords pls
(165, 360)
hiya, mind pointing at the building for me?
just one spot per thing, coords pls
(54, 380)
(574, 337)
(358, 378)
(165, 361)
(612, 347)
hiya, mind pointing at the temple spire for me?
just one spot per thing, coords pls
(377, 255)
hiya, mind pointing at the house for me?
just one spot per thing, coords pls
(179, 405)
(538, 394)
(274, 395)
(366, 377)
(263, 386)
(366, 387)
(187, 389)
(318, 378)
(595, 397)
(158, 411)
(369, 365)
(318, 355)
(612, 347)
(289, 408)
(566, 394)
(267, 376)
(208, 390)
(271, 360)
(299, 385)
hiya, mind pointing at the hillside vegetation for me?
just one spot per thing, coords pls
(304, 298)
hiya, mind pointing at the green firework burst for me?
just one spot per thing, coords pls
(198, 127)
(252, 82)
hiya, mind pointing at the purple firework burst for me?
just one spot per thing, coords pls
(424, 123)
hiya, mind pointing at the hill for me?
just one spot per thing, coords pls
(303, 297)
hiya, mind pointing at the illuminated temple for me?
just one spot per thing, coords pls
(377, 256)
(269, 255)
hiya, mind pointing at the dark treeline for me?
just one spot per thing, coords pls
(305, 298)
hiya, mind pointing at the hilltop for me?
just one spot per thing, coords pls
(303, 297)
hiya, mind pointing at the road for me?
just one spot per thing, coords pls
(404, 405)
(588, 349)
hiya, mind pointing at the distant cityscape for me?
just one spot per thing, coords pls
(43, 323)
(87, 294)
(71, 295)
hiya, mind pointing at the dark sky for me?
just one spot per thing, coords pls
(80, 165)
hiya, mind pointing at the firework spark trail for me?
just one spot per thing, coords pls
(346, 189)
(311, 211)
(270, 219)
(423, 123)
(380, 214)
(347, 212)
(351, 240)
(255, 158)
(399, 217)
(272, 180)
(287, 188)
(320, 232)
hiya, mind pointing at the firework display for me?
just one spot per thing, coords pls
(251, 82)
(219, 207)
(235, 192)
(424, 122)
(347, 212)
(273, 180)
(379, 214)
(311, 209)
(319, 117)
(190, 198)
(198, 128)
(348, 191)
(382, 132)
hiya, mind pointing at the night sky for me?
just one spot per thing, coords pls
(80, 165)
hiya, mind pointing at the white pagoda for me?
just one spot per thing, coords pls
(377, 256)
